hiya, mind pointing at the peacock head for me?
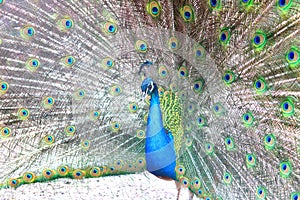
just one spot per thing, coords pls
(148, 87)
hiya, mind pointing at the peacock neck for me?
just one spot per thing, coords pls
(155, 123)
(155, 96)
(160, 152)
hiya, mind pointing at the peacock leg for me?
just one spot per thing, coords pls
(178, 186)
(191, 195)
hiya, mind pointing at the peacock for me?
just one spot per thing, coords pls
(203, 93)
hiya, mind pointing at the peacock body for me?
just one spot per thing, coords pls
(205, 93)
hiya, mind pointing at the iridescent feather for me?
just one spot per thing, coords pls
(76, 102)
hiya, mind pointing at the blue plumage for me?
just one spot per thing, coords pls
(160, 151)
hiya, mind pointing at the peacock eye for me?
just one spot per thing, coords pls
(224, 36)
(115, 126)
(269, 141)
(133, 107)
(65, 24)
(229, 143)
(260, 85)
(229, 77)
(49, 139)
(250, 160)
(292, 57)
(214, 4)
(5, 132)
(85, 144)
(199, 52)
(287, 108)
(183, 72)
(261, 193)
(141, 46)
(295, 195)
(29, 177)
(32, 64)
(3, 87)
(198, 86)
(23, 113)
(162, 71)
(173, 43)
(13, 182)
(227, 178)
(68, 61)
(259, 40)
(153, 8)
(70, 130)
(187, 13)
(248, 119)
(209, 148)
(27, 32)
(110, 28)
(201, 121)
(78, 174)
(247, 4)
(284, 5)
(48, 102)
(285, 169)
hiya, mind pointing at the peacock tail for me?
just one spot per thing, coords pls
(228, 82)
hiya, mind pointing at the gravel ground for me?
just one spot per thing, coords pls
(126, 187)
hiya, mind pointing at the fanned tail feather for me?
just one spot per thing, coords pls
(227, 72)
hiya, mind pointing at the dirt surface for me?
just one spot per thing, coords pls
(138, 186)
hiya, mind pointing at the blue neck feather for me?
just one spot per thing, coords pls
(160, 152)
